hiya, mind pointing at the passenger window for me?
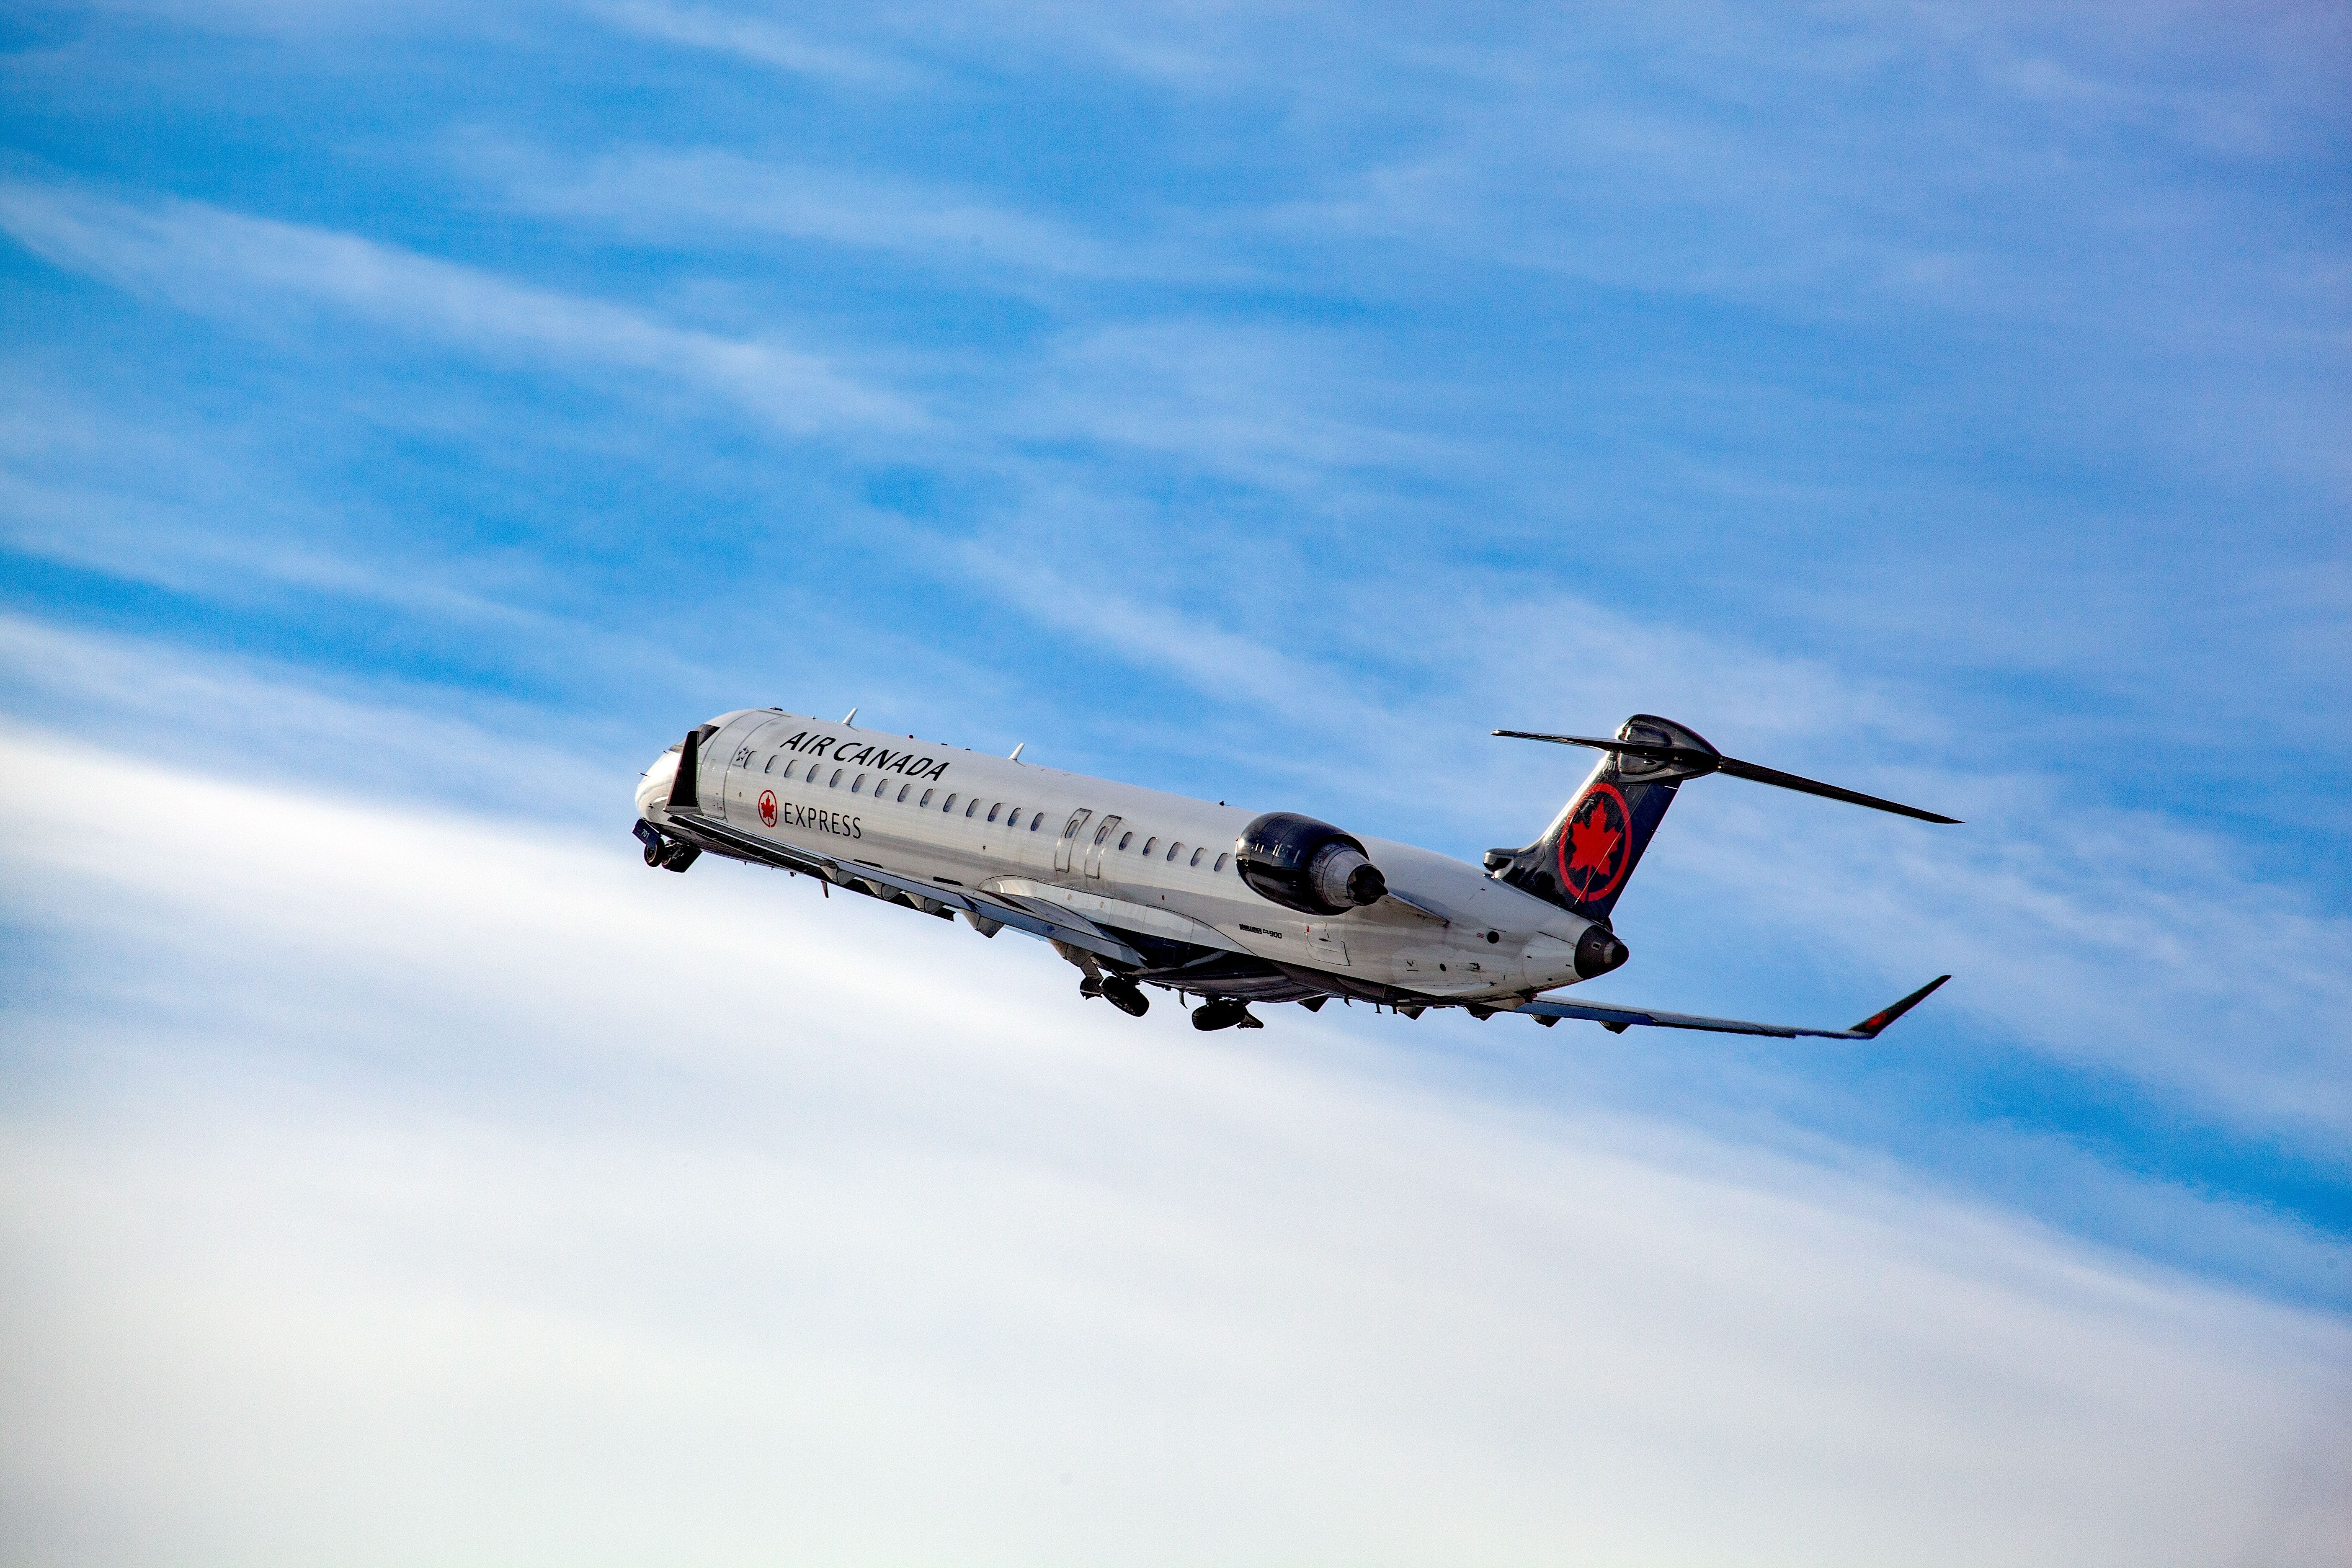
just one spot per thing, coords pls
(1174, 851)
(902, 791)
(973, 806)
(771, 767)
(994, 809)
(949, 804)
(1196, 857)
(1220, 864)
(1036, 821)
(1149, 846)
(858, 785)
(834, 782)
(924, 804)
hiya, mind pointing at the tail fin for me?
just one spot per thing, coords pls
(1585, 858)
(1583, 861)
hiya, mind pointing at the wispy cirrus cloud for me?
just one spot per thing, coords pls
(757, 38)
(215, 262)
(712, 198)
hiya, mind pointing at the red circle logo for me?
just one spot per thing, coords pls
(768, 808)
(1597, 846)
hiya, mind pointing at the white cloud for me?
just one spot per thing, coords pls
(709, 196)
(212, 261)
(386, 1185)
(754, 37)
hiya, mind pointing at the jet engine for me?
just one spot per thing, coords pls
(1305, 865)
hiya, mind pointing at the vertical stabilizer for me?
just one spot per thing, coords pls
(1587, 855)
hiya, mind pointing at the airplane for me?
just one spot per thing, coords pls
(1223, 906)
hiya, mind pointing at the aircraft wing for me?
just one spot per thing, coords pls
(1617, 1020)
(1032, 916)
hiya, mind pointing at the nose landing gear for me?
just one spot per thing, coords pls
(669, 855)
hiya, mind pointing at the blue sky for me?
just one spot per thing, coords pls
(436, 410)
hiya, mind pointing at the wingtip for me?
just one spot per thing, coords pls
(1870, 1028)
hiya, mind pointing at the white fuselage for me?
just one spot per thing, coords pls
(1119, 855)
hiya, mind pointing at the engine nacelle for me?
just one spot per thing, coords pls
(1305, 865)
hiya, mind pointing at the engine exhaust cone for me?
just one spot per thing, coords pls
(1598, 951)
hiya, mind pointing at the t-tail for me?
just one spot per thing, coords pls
(1587, 855)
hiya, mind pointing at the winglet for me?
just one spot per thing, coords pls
(1869, 1027)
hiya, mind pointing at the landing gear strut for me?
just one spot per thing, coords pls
(1225, 1013)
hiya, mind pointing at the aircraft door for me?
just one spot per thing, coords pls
(742, 802)
(1064, 845)
(1094, 849)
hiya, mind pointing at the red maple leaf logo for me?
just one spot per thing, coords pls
(1592, 840)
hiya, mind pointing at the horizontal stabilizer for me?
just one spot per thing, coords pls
(1689, 761)
(1617, 1020)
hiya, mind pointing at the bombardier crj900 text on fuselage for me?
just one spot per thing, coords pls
(1230, 906)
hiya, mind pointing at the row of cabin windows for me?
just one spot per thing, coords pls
(1036, 818)
(1174, 851)
(882, 786)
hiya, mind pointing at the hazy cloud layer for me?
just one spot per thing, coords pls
(625, 1215)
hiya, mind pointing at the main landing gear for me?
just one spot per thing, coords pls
(1225, 1013)
(1118, 991)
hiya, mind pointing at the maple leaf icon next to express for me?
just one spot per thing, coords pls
(1592, 841)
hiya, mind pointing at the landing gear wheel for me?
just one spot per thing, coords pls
(1225, 1013)
(1126, 995)
(679, 856)
(1090, 988)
